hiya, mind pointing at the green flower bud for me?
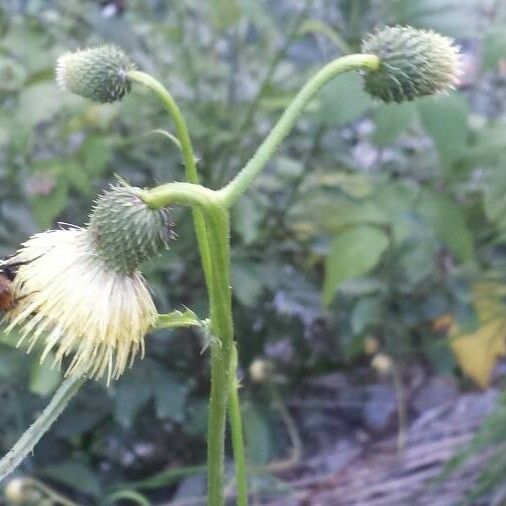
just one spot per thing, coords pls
(413, 63)
(125, 231)
(99, 74)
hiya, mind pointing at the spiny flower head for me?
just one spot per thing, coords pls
(125, 231)
(71, 296)
(99, 74)
(413, 63)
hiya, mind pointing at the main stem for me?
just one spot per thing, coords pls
(222, 353)
(232, 191)
(213, 236)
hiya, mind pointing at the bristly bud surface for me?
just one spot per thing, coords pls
(125, 231)
(413, 63)
(99, 74)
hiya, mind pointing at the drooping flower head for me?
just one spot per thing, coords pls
(78, 290)
(413, 63)
(99, 74)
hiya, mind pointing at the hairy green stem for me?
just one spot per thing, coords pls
(232, 191)
(214, 250)
(223, 354)
(220, 299)
(236, 431)
(34, 433)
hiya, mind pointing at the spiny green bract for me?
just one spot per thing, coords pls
(413, 63)
(99, 74)
(125, 231)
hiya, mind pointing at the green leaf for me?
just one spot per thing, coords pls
(170, 396)
(457, 18)
(247, 216)
(353, 253)
(175, 319)
(77, 475)
(391, 120)
(343, 101)
(48, 207)
(494, 47)
(149, 379)
(224, 13)
(366, 312)
(257, 434)
(449, 224)
(96, 153)
(44, 379)
(445, 120)
(133, 392)
(247, 282)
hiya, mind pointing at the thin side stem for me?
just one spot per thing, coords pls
(188, 157)
(232, 191)
(34, 433)
(236, 431)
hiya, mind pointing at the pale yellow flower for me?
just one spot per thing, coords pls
(81, 296)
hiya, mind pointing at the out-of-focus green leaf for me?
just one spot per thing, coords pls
(46, 208)
(96, 153)
(494, 47)
(353, 253)
(458, 18)
(75, 474)
(32, 110)
(391, 120)
(148, 380)
(224, 13)
(170, 396)
(449, 223)
(247, 282)
(257, 434)
(133, 392)
(366, 312)
(45, 378)
(445, 120)
(247, 216)
(343, 100)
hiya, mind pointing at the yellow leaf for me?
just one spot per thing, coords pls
(477, 352)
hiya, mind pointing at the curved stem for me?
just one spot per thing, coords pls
(177, 117)
(34, 433)
(188, 157)
(233, 190)
(234, 409)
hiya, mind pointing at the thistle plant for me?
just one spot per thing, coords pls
(100, 322)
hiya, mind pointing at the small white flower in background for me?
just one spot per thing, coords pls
(78, 290)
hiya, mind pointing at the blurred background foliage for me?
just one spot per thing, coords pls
(375, 229)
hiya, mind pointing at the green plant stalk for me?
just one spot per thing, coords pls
(42, 424)
(220, 300)
(242, 181)
(234, 410)
(223, 354)
(216, 266)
